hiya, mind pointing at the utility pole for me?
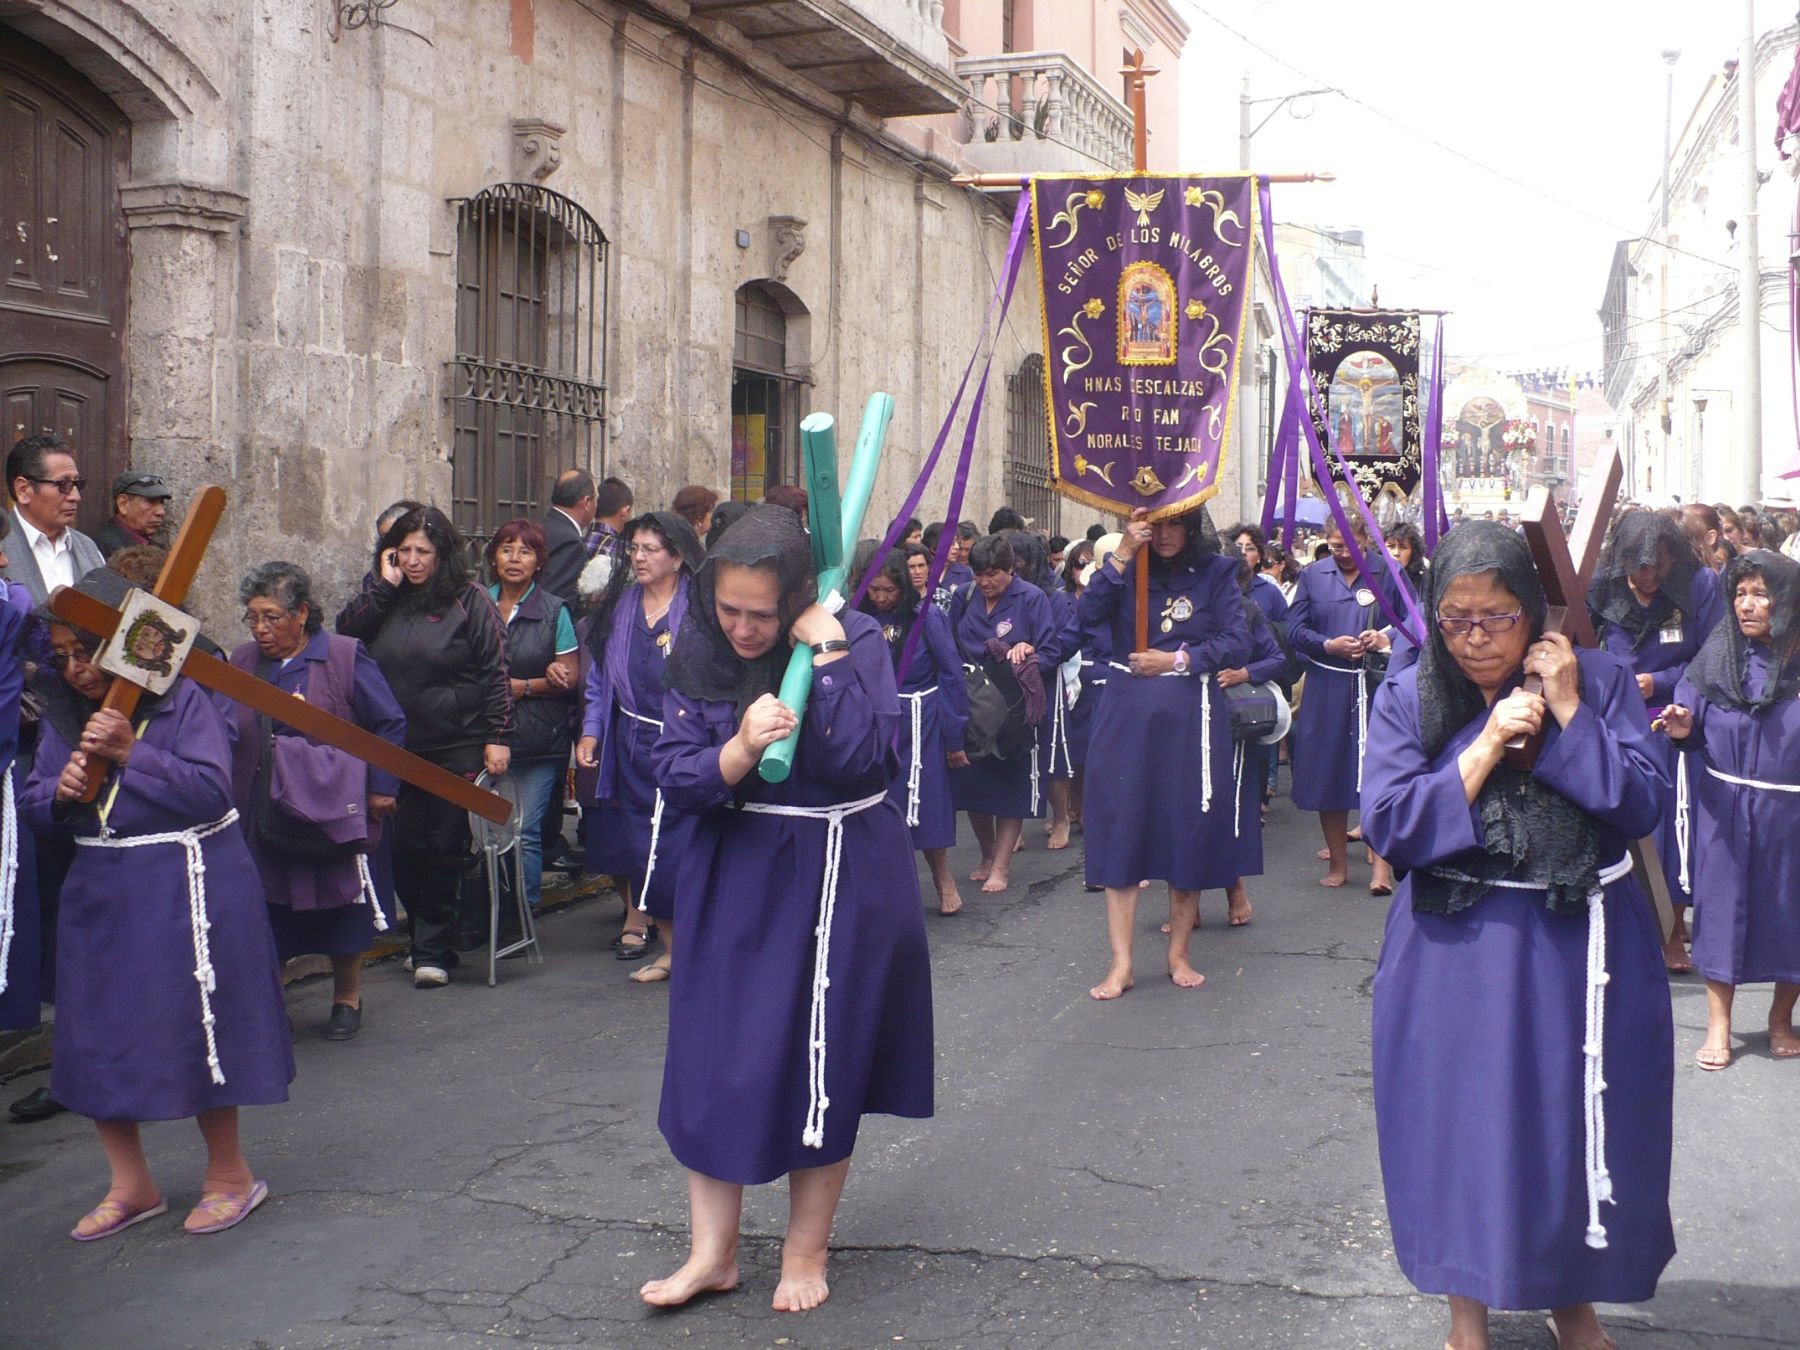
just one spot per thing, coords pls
(1665, 407)
(1244, 132)
(1749, 403)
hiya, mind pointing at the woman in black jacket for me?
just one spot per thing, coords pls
(440, 642)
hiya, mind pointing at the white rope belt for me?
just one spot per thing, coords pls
(656, 819)
(1733, 779)
(916, 770)
(1237, 785)
(1059, 730)
(1362, 709)
(1206, 783)
(366, 893)
(1593, 1041)
(813, 1133)
(9, 869)
(197, 921)
(1683, 820)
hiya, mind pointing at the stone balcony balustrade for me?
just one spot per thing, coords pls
(1040, 112)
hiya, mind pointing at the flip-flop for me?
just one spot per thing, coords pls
(226, 1209)
(119, 1215)
(1712, 1068)
(654, 973)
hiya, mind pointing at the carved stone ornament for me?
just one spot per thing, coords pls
(787, 241)
(537, 149)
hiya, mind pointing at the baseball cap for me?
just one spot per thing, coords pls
(141, 484)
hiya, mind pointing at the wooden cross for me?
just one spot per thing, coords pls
(1565, 566)
(172, 583)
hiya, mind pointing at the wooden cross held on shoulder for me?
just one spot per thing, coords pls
(1565, 566)
(83, 611)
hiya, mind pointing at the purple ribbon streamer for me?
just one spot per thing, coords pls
(1286, 463)
(1437, 519)
(1002, 298)
(1298, 370)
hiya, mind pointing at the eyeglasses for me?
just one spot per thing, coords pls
(1494, 623)
(63, 660)
(255, 621)
(645, 550)
(62, 485)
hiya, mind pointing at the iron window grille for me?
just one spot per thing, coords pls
(528, 382)
(1028, 489)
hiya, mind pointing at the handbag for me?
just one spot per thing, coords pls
(996, 727)
(290, 826)
(1252, 710)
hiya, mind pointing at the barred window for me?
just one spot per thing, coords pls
(528, 383)
(1028, 489)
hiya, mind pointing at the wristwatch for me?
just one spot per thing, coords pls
(831, 645)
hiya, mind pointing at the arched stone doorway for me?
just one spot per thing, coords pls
(64, 149)
(768, 388)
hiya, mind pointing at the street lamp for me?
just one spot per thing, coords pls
(1245, 103)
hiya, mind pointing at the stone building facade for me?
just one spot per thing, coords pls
(332, 254)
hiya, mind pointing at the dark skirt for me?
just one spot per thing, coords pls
(1001, 787)
(1080, 718)
(616, 832)
(130, 1042)
(937, 811)
(1141, 806)
(735, 1082)
(1478, 1026)
(1327, 775)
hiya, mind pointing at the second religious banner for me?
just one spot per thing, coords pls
(1365, 369)
(1146, 282)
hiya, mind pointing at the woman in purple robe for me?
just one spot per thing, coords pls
(327, 907)
(936, 706)
(1654, 605)
(1334, 622)
(1078, 721)
(1056, 769)
(631, 834)
(1005, 623)
(168, 993)
(1523, 1043)
(1161, 802)
(1737, 719)
(802, 999)
(1267, 665)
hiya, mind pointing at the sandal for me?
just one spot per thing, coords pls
(224, 1210)
(115, 1216)
(636, 951)
(1713, 1059)
(654, 973)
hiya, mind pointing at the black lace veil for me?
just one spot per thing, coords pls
(1718, 670)
(1643, 539)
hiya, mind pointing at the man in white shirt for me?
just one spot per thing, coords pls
(46, 490)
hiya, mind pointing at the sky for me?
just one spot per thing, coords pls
(1564, 96)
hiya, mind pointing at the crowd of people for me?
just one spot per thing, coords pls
(1522, 969)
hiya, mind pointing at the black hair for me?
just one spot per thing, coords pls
(991, 553)
(1256, 536)
(573, 488)
(933, 533)
(29, 454)
(288, 585)
(1079, 555)
(1058, 544)
(393, 513)
(1095, 533)
(1005, 519)
(612, 497)
(968, 529)
(453, 572)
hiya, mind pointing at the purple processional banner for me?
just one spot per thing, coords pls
(1146, 285)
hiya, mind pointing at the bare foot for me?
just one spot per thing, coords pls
(1184, 975)
(981, 872)
(1237, 902)
(997, 881)
(696, 1277)
(1712, 1056)
(1323, 855)
(1165, 927)
(950, 904)
(1115, 984)
(1675, 956)
(1783, 1043)
(1579, 1328)
(802, 1286)
(1335, 878)
(1019, 844)
(1059, 837)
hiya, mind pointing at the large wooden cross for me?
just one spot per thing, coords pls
(1566, 566)
(177, 575)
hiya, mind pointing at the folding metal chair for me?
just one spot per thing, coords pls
(498, 842)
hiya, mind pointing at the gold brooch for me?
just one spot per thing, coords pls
(1146, 482)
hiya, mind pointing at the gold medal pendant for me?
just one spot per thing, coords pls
(1168, 626)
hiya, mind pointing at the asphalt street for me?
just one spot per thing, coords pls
(1193, 1168)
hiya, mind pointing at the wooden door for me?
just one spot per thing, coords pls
(63, 153)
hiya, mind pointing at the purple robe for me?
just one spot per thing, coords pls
(1327, 730)
(1016, 788)
(1746, 919)
(1159, 741)
(19, 974)
(317, 908)
(1055, 759)
(1479, 1018)
(934, 683)
(1095, 645)
(1663, 654)
(735, 1081)
(130, 1043)
(617, 830)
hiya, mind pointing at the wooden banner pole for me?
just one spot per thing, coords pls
(1135, 75)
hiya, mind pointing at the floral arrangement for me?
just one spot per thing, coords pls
(1519, 435)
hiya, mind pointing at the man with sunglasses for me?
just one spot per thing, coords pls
(140, 502)
(47, 550)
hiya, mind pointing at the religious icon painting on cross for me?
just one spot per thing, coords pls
(151, 644)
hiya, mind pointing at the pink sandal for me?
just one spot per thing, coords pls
(115, 1217)
(224, 1210)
